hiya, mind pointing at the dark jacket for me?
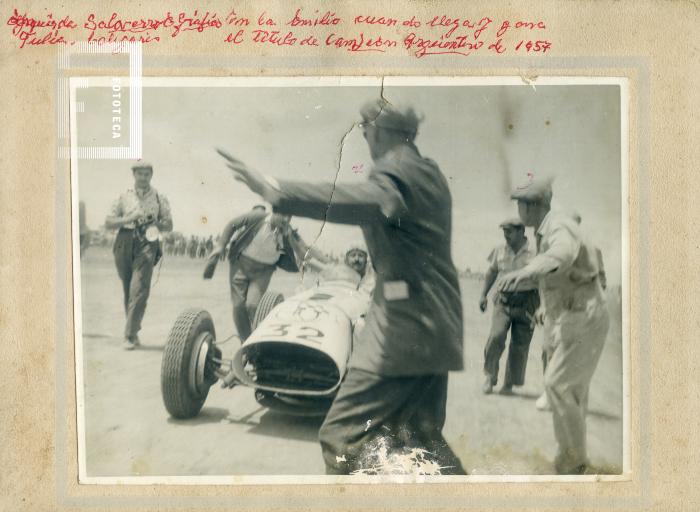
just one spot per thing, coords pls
(244, 228)
(414, 326)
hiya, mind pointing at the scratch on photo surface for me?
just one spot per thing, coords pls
(337, 175)
(379, 459)
(529, 80)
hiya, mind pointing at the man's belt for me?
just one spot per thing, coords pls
(517, 298)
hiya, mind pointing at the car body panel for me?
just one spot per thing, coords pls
(302, 347)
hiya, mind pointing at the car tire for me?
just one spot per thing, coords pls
(267, 303)
(187, 369)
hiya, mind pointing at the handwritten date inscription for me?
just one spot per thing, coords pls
(436, 34)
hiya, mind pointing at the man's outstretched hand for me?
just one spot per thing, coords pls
(510, 281)
(254, 180)
(212, 260)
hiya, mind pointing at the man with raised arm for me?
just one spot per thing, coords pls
(395, 390)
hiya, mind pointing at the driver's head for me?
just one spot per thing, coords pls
(356, 259)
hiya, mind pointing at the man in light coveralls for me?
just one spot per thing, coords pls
(576, 317)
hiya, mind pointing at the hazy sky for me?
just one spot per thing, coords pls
(484, 138)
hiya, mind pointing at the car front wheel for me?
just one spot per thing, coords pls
(190, 360)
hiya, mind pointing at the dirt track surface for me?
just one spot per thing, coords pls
(129, 433)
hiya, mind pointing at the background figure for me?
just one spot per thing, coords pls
(512, 311)
(84, 231)
(192, 247)
(576, 317)
(202, 248)
(397, 372)
(139, 213)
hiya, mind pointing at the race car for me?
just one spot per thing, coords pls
(294, 359)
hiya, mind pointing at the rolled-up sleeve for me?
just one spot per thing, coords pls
(117, 209)
(562, 250)
(379, 198)
(493, 260)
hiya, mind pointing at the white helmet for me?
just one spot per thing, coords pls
(357, 246)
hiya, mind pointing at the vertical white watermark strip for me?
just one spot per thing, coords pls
(135, 96)
(134, 150)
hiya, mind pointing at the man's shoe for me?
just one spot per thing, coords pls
(128, 344)
(581, 469)
(487, 388)
(542, 403)
(136, 341)
(507, 389)
(229, 380)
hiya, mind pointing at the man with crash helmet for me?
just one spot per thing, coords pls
(354, 269)
(395, 390)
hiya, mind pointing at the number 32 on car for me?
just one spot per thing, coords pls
(292, 331)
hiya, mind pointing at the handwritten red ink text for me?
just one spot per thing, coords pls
(436, 34)
(455, 23)
(458, 46)
(327, 19)
(18, 22)
(360, 43)
(374, 20)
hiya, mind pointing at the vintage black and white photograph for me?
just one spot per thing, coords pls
(404, 279)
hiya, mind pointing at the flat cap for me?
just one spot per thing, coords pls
(534, 191)
(389, 116)
(513, 221)
(142, 165)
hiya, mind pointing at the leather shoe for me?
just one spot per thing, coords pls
(487, 388)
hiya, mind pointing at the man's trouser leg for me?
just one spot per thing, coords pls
(520, 336)
(257, 286)
(579, 338)
(239, 291)
(248, 281)
(427, 420)
(123, 251)
(496, 344)
(547, 350)
(399, 410)
(140, 287)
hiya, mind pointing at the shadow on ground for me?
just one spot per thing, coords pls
(300, 428)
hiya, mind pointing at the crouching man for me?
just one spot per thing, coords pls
(262, 243)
